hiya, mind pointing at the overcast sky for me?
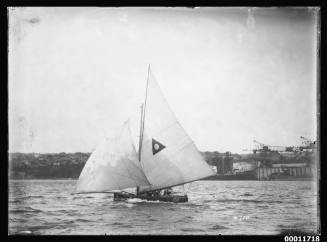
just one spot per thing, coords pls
(231, 75)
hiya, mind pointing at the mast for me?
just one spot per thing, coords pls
(142, 123)
(143, 113)
(143, 107)
(146, 95)
(141, 132)
(140, 143)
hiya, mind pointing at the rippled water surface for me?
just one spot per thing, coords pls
(214, 207)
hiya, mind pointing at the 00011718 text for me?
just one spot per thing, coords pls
(307, 238)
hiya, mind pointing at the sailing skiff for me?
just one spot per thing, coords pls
(164, 158)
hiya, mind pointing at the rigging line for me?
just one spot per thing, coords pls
(144, 108)
(140, 137)
(146, 93)
(143, 120)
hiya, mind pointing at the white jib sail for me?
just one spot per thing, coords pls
(114, 165)
(168, 156)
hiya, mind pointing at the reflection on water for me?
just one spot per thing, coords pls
(214, 207)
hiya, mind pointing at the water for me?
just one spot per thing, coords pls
(47, 207)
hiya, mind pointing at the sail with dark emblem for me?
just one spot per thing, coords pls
(169, 157)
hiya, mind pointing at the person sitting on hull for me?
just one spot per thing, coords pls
(156, 194)
(167, 192)
(152, 194)
(149, 194)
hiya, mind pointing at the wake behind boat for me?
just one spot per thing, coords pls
(166, 156)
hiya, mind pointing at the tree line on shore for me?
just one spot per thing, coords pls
(58, 165)
(46, 166)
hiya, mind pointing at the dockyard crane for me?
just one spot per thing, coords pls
(260, 146)
(263, 147)
(307, 143)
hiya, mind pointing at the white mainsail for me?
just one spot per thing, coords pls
(114, 165)
(168, 155)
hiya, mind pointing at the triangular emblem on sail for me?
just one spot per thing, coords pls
(157, 147)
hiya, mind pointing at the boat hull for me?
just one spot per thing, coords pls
(119, 196)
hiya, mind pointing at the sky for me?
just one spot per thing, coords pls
(231, 75)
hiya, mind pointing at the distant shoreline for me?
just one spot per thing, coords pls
(68, 166)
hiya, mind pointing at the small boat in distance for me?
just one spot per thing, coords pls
(165, 157)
